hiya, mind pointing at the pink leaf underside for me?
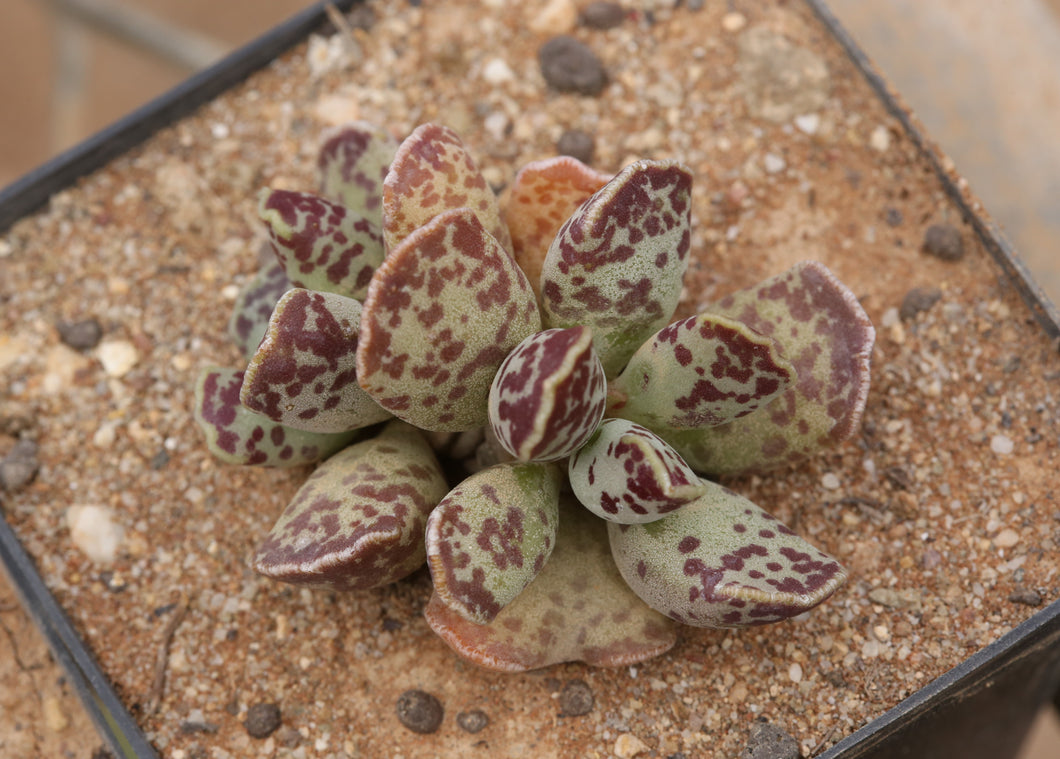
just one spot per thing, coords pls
(322, 246)
(352, 164)
(443, 311)
(544, 195)
(236, 435)
(358, 521)
(433, 173)
(304, 374)
(578, 609)
(617, 264)
(723, 562)
(491, 536)
(628, 475)
(822, 329)
(549, 395)
(254, 304)
(699, 372)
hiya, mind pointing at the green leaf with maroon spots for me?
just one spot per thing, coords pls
(544, 194)
(699, 372)
(352, 165)
(628, 475)
(721, 561)
(322, 246)
(254, 304)
(549, 395)
(358, 521)
(491, 535)
(443, 311)
(577, 609)
(616, 266)
(822, 329)
(432, 173)
(304, 374)
(236, 435)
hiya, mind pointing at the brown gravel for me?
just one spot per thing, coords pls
(942, 508)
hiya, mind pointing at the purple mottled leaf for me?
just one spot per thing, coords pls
(322, 246)
(628, 475)
(304, 373)
(822, 329)
(491, 536)
(616, 266)
(721, 561)
(433, 173)
(236, 435)
(577, 609)
(549, 395)
(352, 164)
(254, 304)
(443, 311)
(699, 372)
(358, 521)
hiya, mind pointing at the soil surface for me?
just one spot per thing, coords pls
(943, 508)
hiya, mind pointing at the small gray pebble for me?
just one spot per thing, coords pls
(696, 5)
(570, 66)
(419, 711)
(576, 699)
(944, 241)
(602, 15)
(1026, 597)
(768, 741)
(577, 144)
(20, 466)
(892, 217)
(83, 335)
(916, 300)
(473, 721)
(262, 720)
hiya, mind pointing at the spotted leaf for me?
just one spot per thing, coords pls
(358, 521)
(491, 536)
(304, 374)
(721, 561)
(699, 372)
(432, 173)
(549, 395)
(322, 246)
(616, 265)
(544, 195)
(237, 435)
(627, 474)
(254, 304)
(577, 609)
(822, 329)
(443, 311)
(352, 164)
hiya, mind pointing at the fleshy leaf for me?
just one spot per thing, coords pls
(432, 173)
(544, 195)
(237, 435)
(304, 374)
(699, 372)
(358, 521)
(721, 561)
(352, 164)
(822, 329)
(443, 311)
(549, 395)
(491, 536)
(323, 246)
(254, 304)
(616, 265)
(628, 475)
(577, 609)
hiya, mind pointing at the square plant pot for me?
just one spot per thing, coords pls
(941, 507)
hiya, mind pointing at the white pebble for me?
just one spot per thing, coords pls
(733, 21)
(795, 672)
(880, 139)
(557, 17)
(497, 71)
(830, 482)
(117, 357)
(1001, 445)
(105, 435)
(497, 125)
(773, 163)
(1007, 538)
(94, 531)
(628, 745)
(808, 123)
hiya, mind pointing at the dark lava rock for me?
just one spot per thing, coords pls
(419, 711)
(570, 66)
(893, 217)
(577, 144)
(262, 720)
(944, 241)
(472, 721)
(602, 15)
(82, 335)
(916, 300)
(770, 742)
(576, 699)
(1025, 596)
(20, 466)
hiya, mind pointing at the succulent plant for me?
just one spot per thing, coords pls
(499, 392)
